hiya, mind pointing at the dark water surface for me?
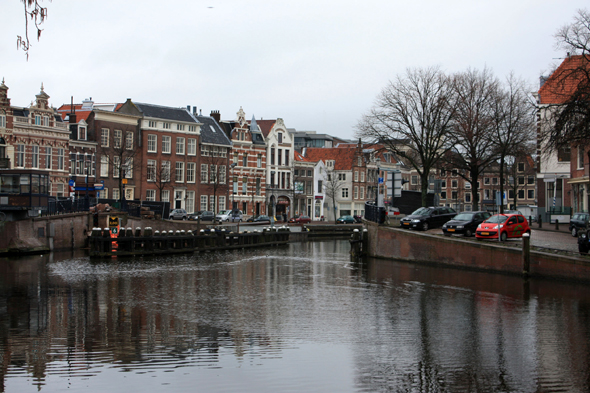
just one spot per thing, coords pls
(302, 318)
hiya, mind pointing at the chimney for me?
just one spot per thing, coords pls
(188, 108)
(194, 110)
(216, 116)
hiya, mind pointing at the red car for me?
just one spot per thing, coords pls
(300, 220)
(509, 226)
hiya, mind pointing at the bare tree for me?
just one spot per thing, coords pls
(119, 154)
(332, 186)
(474, 148)
(513, 122)
(572, 84)
(160, 173)
(34, 11)
(412, 117)
(514, 174)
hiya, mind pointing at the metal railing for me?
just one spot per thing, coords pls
(374, 213)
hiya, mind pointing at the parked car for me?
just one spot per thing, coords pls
(508, 225)
(223, 215)
(583, 242)
(207, 215)
(358, 219)
(302, 219)
(261, 218)
(428, 217)
(178, 214)
(577, 222)
(194, 216)
(465, 223)
(235, 216)
(345, 220)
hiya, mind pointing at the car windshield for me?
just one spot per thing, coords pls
(497, 219)
(423, 211)
(464, 217)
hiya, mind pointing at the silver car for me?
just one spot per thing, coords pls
(178, 214)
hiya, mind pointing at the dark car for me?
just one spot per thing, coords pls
(261, 219)
(465, 223)
(428, 217)
(345, 220)
(204, 216)
(577, 222)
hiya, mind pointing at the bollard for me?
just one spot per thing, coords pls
(540, 221)
(355, 243)
(556, 224)
(526, 254)
(365, 239)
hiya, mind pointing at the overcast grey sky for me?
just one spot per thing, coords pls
(317, 64)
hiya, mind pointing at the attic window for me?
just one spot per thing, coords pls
(81, 133)
(192, 128)
(330, 163)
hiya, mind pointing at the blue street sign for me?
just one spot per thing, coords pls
(380, 180)
(71, 183)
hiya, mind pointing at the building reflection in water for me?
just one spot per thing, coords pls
(375, 326)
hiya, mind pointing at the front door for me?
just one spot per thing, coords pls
(178, 199)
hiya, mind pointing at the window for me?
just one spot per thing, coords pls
(580, 157)
(286, 157)
(205, 151)
(245, 159)
(190, 201)
(222, 152)
(151, 170)
(192, 128)
(443, 173)
(486, 181)
(180, 127)
(563, 154)
(203, 202)
(166, 144)
(356, 192)
(342, 176)
(520, 167)
(213, 173)
(130, 193)
(443, 195)
(494, 181)
(179, 145)
(330, 163)
(179, 174)
(165, 196)
(414, 179)
(190, 172)
(104, 166)
(356, 176)
(152, 143)
(20, 156)
(128, 168)
(37, 120)
(152, 124)
(454, 173)
(320, 186)
(166, 126)
(81, 133)
(520, 194)
(362, 192)
(166, 171)
(521, 180)
(531, 180)
(360, 161)
(235, 185)
(116, 194)
(362, 177)
(191, 147)
(60, 159)
(2, 120)
(454, 184)
(280, 156)
(222, 171)
(212, 202)
(47, 157)
(214, 151)
(104, 137)
(116, 167)
(454, 195)
(34, 156)
(150, 195)
(257, 186)
(531, 194)
(204, 174)
(244, 185)
(345, 193)
(272, 156)
(280, 137)
(467, 197)
(117, 140)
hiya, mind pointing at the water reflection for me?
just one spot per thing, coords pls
(299, 318)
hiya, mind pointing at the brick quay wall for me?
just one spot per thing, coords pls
(413, 246)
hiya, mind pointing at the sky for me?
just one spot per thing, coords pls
(318, 65)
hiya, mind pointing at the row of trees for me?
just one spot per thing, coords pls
(469, 121)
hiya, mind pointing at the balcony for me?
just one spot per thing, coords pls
(19, 120)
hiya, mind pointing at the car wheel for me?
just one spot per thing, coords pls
(183, 218)
(503, 236)
(425, 226)
(468, 233)
(575, 232)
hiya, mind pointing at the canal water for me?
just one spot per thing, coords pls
(299, 318)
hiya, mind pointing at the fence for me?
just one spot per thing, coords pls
(374, 213)
(66, 205)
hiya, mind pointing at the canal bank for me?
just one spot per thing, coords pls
(418, 247)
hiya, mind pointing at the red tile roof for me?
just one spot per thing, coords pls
(300, 158)
(342, 156)
(564, 81)
(265, 126)
(66, 109)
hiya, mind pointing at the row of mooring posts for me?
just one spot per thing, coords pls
(359, 242)
(130, 242)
